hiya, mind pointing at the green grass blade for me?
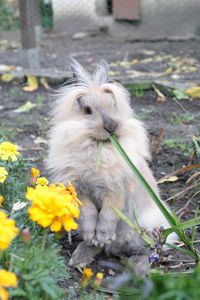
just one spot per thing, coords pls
(187, 224)
(99, 155)
(196, 140)
(184, 251)
(142, 180)
(143, 235)
(172, 219)
(193, 229)
(135, 217)
(181, 232)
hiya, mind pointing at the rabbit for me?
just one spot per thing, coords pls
(86, 112)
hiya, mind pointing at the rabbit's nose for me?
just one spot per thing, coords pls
(109, 124)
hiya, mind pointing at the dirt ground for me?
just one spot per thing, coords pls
(29, 129)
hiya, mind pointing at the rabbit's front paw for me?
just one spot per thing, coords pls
(83, 255)
(105, 234)
(88, 236)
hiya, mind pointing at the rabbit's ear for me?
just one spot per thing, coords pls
(101, 75)
(79, 73)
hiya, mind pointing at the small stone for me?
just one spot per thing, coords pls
(80, 35)
(111, 272)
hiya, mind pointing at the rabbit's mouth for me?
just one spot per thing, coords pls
(96, 140)
(104, 139)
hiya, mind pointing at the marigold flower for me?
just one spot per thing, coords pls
(3, 174)
(52, 206)
(87, 274)
(7, 279)
(72, 191)
(42, 181)
(8, 150)
(3, 294)
(35, 172)
(1, 199)
(98, 279)
(8, 231)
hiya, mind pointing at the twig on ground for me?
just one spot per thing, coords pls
(159, 141)
(185, 207)
(179, 171)
(182, 193)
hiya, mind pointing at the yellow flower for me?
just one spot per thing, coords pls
(8, 231)
(87, 274)
(7, 279)
(35, 172)
(3, 294)
(98, 279)
(3, 174)
(52, 206)
(42, 181)
(1, 199)
(70, 190)
(8, 150)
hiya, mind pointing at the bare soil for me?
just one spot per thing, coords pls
(29, 129)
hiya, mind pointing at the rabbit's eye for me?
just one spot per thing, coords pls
(87, 110)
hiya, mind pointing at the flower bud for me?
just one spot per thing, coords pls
(98, 279)
(87, 274)
(32, 181)
(26, 235)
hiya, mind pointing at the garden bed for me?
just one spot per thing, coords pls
(28, 129)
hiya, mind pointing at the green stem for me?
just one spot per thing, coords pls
(44, 238)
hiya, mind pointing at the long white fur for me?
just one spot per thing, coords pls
(73, 144)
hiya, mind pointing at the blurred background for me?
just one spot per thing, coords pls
(39, 35)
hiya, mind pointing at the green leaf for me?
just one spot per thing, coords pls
(193, 229)
(143, 235)
(187, 224)
(26, 108)
(196, 141)
(180, 95)
(183, 250)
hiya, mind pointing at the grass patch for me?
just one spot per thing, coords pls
(6, 131)
(179, 145)
(138, 89)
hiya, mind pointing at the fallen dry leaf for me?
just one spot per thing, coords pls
(134, 61)
(6, 68)
(25, 108)
(193, 92)
(44, 82)
(160, 96)
(40, 140)
(7, 77)
(113, 73)
(180, 171)
(168, 71)
(170, 179)
(32, 84)
(146, 60)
